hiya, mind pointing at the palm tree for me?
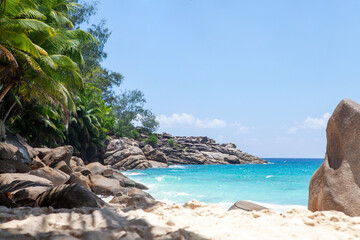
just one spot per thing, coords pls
(38, 51)
(87, 130)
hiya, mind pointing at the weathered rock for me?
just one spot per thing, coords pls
(95, 168)
(246, 206)
(85, 172)
(42, 152)
(62, 166)
(135, 192)
(23, 187)
(57, 177)
(7, 167)
(76, 162)
(228, 145)
(336, 183)
(63, 197)
(79, 179)
(104, 186)
(154, 164)
(22, 154)
(120, 200)
(7, 151)
(9, 178)
(36, 163)
(154, 154)
(32, 152)
(141, 202)
(19, 166)
(127, 182)
(129, 158)
(57, 155)
(6, 200)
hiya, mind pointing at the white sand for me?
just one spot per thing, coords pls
(202, 220)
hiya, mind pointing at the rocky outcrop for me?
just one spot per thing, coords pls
(7, 151)
(56, 167)
(23, 188)
(57, 155)
(126, 154)
(336, 183)
(202, 150)
(22, 154)
(57, 177)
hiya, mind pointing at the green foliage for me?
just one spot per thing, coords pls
(152, 139)
(38, 124)
(89, 127)
(129, 108)
(134, 134)
(171, 142)
(39, 51)
(52, 81)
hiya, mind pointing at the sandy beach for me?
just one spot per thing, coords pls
(193, 220)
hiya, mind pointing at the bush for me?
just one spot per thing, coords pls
(152, 140)
(134, 134)
(171, 142)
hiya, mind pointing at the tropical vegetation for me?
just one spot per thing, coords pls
(53, 87)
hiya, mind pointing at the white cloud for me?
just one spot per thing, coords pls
(187, 120)
(312, 123)
(239, 128)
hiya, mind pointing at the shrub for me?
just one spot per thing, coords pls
(171, 142)
(152, 140)
(134, 134)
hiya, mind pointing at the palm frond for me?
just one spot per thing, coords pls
(18, 41)
(27, 25)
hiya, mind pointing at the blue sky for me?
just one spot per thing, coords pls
(265, 75)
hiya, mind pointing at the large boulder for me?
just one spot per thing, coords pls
(23, 187)
(131, 157)
(63, 197)
(10, 178)
(103, 185)
(42, 152)
(57, 155)
(127, 182)
(154, 154)
(62, 166)
(96, 168)
(57, 177)
(22, 154)
(76, 162)
(336, 183)
(7, 151)
(36, 163)
(79, 179)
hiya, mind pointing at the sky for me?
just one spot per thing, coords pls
(265, 75)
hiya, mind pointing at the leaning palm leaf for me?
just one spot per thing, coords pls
(18, 41)
(21, 25)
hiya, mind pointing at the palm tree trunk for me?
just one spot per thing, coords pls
(5, 91)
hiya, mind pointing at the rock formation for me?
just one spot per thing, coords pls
(203, 150)
(53, 177)
(126, 153)
(63, 197)
(336, 183)
(246, 206)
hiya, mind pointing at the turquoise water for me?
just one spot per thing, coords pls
(282, 182)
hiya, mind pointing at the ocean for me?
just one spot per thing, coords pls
(280, 185)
